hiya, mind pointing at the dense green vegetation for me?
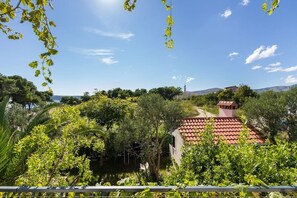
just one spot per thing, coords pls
(60, 145)
(274, 113)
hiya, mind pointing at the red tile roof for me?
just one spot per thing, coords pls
(227, 128)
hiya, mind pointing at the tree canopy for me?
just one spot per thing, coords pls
(22, 91)
(273, 113)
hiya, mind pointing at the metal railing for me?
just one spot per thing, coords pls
(134, 189)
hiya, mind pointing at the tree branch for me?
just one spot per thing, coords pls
(16, 7)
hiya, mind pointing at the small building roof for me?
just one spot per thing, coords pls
(227, 103)
(227, 128)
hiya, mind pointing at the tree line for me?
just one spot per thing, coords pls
(167, 92)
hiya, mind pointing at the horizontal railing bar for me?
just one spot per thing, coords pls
(78, 189)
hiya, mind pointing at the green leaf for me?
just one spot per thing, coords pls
(33, 64)
(169, 44)
(51, 23)
(37, 73)
(264, 6)
(49, 62)
(44, 84)
(170, 21)
(168, 7)
(53, 51)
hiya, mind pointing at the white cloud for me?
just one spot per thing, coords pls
(174, 77)
(261, 53)
(256, 67)
(189, 79)
(226, 13)
(232, 55)
(291, 79)
(274, 69)
(109, 61)
(118, 35)
(275, 64)
(245, 2)
(277, 69)
(96, 52)
(290, 69)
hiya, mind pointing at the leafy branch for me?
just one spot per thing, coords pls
(33, 12)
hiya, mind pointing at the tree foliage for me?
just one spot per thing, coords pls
(22, 91)
(226, 95)
(16, 123)
(274, 112)
(271, 6)
(167, 93)
(33, 12)
(243, 93)
(56, 160)
(154, 119)
(70, 100)
(105, 111)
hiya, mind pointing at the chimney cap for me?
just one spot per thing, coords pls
(227, 103)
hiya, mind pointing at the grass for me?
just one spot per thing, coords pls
(212, 109)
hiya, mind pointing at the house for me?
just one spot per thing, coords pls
(233, 88)
(226, 125)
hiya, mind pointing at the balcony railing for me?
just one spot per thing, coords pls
(105, 190)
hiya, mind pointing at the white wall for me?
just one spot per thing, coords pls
(176, 153)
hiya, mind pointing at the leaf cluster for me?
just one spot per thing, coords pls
(55, 159)
(33, 12)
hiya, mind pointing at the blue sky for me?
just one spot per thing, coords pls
(218, 43)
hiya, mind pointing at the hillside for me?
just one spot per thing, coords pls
(213, 90)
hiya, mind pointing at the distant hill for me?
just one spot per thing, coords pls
(203, 92)
(213, 90)
(275, 88)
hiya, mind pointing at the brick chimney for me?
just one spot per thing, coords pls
(227, 108)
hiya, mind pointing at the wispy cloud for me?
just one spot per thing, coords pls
(189, 79)
(106, 55)
(245, 2)
(261, 53)
(96, 52)
(256, 67)
(290, 69)
(118, 35)
(281, 69)
(109, 60)
(185, 79)
(273, 69)
(226, 13)
(232, 55)
(275, 64)
(291, 79)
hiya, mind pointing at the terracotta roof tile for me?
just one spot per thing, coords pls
(227, 128)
